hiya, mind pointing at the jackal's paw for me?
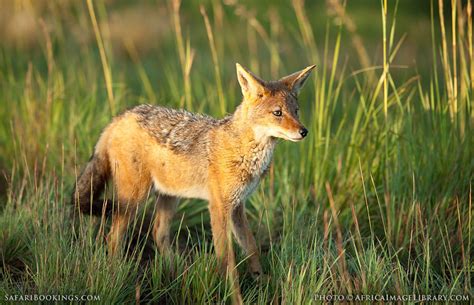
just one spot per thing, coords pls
(258, 275)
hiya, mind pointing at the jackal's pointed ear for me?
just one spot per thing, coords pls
(250, 84)
(295, 81)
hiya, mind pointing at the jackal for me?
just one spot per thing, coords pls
(186, 155)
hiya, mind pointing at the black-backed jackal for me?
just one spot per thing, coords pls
(188, 155)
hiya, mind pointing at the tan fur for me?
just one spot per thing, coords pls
(184, 155)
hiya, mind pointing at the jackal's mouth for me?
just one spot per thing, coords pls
(295, 139)
(288, 138)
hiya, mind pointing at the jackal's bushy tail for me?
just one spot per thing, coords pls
(90, 186)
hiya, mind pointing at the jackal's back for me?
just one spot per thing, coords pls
(179, 130)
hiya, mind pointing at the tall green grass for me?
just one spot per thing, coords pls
(377, 200)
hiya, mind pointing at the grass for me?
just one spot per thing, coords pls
(377, 199)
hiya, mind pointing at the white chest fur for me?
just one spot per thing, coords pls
(257, 159)
(253, 164)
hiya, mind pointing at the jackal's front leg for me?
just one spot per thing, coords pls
(245, 238)
(221, 234)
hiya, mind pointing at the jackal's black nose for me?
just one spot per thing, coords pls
(303, 132)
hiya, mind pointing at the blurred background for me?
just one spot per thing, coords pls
(148, 27)
(144, 30)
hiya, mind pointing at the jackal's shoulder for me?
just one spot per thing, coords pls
(180, 130)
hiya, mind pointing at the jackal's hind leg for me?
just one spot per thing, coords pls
(117, 231)
(164, 212)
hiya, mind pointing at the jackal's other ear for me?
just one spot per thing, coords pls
(295, 81)
(250, 84)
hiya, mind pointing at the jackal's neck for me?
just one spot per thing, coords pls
(252, 150)
(245, 129)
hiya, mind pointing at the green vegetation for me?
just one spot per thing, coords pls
(377, 199)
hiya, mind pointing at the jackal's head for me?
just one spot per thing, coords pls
(271, 107)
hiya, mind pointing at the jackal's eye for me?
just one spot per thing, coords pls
(296, 111)
(277, 113)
